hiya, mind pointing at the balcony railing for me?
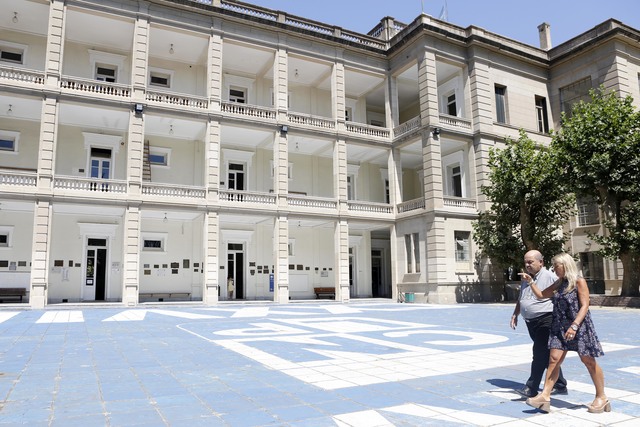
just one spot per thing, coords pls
(247, 197)
(455, 122)
(252, 111)
(368, 130)
(92, 185)
(459, 202)
(22, 75)
(93, 86)
(318, 122)
(172, 190)
(311, 202)
(18, 179)
(180, 99)
(411, 205)
(370, 207)
(406, 127)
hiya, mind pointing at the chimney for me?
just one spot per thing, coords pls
(545, 36)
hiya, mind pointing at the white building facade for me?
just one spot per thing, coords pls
(154, 150)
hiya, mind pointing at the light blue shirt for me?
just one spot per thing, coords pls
(530, 306)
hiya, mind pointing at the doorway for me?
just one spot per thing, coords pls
(95, 281)
(235, 267)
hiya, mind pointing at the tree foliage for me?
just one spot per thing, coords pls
(598, 147)
(529, 204)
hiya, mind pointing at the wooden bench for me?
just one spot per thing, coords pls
(330, 292)
(13, 292)
(162, 295)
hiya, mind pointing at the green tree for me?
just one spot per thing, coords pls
(529, 204)
(599, 148)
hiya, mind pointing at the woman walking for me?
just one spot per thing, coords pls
(571, 330)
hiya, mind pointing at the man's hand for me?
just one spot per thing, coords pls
(514, 321)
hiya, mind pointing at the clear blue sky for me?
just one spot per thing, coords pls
(516, 19)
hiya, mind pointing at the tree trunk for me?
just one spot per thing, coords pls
(631, 274)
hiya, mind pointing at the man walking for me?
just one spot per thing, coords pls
(537, 315)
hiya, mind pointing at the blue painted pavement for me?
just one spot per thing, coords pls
(366, 363)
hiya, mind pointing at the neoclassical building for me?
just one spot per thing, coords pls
(154, 150)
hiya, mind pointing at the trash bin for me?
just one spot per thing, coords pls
(409, 297)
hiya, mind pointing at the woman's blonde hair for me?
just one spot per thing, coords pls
(570, 269)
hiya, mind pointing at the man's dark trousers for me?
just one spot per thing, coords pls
(539, 333)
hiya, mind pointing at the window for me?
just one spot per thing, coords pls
(348, 114)
(9, 141)
(387, 197)
(238, 95)
(158, 159)
(412, 250)
(541, 115)
(106, 67)
(5, 236)
(592, 265)
(501, 106)
(462, 246)
(351, 179)
(587, 212)
(153, 245)
(291, 247)
(456, 181)
(154, 242)
(12, 52)
(106, 73)
(573, 93)
(160, 79)
(159, 156)
(451, 105)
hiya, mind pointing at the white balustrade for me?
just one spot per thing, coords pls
(94, 86)
(247, 197)
(26, 179)
(411, 205)
(311, 202)
(22, 75)
(248, 110)
(406, 127)
(459, 202)
(368, 130)
(173, 190)
(90, 184)
(370, 207)
(179, 99)
(305, 119)
(248, 9)
(455, 122)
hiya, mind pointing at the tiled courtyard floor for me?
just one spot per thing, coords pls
(366, 363)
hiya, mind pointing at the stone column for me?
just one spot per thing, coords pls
(482, 91)
(42, 219)
(338, 91)
(55, 43)
(432, 167)
(214, 66)
(131, 282)
(135, 155)
(47, 150)
(340, 174)
(212, 159)
(281, 81)
(281, 168)
(211, 252)
(281, 254)
(394, 165)
(391, 107)
(341, 260)
(140, 59)
(428, 87)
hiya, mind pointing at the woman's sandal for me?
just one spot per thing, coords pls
(540, 403)
(598, 409)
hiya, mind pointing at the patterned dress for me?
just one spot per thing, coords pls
(565, 309)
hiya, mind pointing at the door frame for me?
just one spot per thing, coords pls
(97, 231)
